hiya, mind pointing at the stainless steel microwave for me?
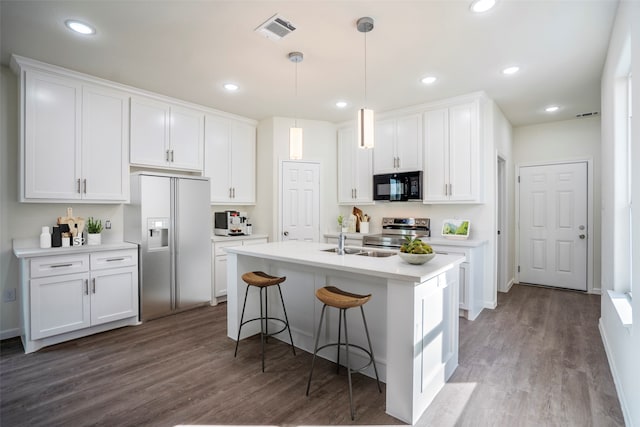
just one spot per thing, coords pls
(398, 187)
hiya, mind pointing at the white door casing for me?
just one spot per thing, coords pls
(300, 209)
(553, 225)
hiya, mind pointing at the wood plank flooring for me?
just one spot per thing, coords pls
(537, 359)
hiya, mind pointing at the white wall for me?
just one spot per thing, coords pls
(565, 141)
(622, 344)
(24, 220)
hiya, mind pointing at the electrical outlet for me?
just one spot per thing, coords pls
(9, 295)
(107, 224)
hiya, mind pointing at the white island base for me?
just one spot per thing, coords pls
(412, 315)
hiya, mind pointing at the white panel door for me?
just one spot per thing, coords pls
(149, 132)
(243, 162)
(300, 201)
(409, 143)
(436, 147)
(186, 138)
(217, 160)
(553, 225)
(464, 174)
(384, 151)
(114, 294)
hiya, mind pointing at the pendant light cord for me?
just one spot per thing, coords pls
(295, 118)
(365, 69)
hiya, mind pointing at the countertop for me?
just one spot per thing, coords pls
(215, 238)
(312, 254)
(28, 248)
(469, 243)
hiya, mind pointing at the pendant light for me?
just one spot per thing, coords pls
(295, 133)
(365, 115)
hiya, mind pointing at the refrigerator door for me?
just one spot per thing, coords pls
(156, 284)
(193, 242)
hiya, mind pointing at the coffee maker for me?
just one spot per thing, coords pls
(229, 223)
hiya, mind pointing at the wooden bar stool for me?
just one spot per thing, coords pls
(334, 297)
(262, 281)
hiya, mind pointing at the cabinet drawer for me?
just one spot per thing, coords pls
(113, 259)
(218, 247)
(57, 265)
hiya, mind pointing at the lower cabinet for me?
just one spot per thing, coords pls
(69, 296)
(219, 273)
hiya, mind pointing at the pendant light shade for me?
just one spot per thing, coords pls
(365, 128)
(295, 133)
(365, 115)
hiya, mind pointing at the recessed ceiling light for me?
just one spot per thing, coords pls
(341, 104)
(511, 70)
(479, 6)
(552, 109)
(79, 27)
(231, 87)
(428, 80)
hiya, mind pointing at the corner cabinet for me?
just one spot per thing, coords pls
(166, 136)
(398, 145)
(74, 138)
(452, 154)
(76, 294)
(355, 170)
(230, 160)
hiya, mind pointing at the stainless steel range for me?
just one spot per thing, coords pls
(394, 231)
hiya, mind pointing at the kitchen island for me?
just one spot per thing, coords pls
(412, 315)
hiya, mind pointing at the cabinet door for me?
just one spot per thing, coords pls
(105, 144)
(346, 153)
(243, 163)
(59, 304)
(409, 143)
(436, 155)
(464, 157)
(362, 174)
(220, 276)
(51, 137)
(114, 294)
(384, 151)
(217, 157)
(186, 139)
(149, 143)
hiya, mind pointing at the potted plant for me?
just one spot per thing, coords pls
(342, 226)
(94, 228)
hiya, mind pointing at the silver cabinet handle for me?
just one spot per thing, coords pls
(234, 192)
(84, 181)
(167, 155)
(451, 189)
(398, 162)
(355, 191)
(172, 156)
(115, 259)
(94, 285)
(582, 236)
(446, 189)
(78, 185)
(86, 287)
(61, 265)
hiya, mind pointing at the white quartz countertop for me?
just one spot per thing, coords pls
(215, 238)
(312, 254)
(469, 243)
(27, 248)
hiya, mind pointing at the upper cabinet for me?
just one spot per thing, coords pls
(74, 138)
(165, 135)
(452, 154)
(355, 169)
(230, 160)
(398, 144)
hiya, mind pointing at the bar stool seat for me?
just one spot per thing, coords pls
(262, 281)
(332, 296)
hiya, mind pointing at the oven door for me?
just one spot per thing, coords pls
(392, 187)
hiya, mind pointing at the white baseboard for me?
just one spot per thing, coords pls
(614, 374)
(9, 333)
(509, 286)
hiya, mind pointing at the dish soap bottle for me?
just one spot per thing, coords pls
(352, 223)
(45, 238)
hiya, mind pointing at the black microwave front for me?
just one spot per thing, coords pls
(398, 187)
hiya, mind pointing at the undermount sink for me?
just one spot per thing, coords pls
(362, 252)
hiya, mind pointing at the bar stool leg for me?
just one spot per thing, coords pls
(373, 359)
(287, 320)
(241, 319)
(343, 312)
(315, 347)
(263, 325)
(338, 346)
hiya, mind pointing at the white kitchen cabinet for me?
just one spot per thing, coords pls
(452, 155)
(219, 273)
(165, 135)
(230, 160)
(355, 170)
(75, 139)
(76, 294)
(398, 144)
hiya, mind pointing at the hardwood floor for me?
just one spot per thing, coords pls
(537, 359)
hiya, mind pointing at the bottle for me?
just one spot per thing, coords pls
(56, 238)
(45, 238)
(249, 229)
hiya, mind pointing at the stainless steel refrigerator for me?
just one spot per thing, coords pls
(169, 217)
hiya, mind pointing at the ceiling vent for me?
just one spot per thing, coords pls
(589, 114)
(275, 28)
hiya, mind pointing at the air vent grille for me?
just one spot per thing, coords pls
(275, 28)
(589, 114)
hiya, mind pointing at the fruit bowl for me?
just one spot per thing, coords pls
(416, 258)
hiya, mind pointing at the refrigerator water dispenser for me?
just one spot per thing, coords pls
(158, 236)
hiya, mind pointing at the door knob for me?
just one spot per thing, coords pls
(582, 236)
(285, 233)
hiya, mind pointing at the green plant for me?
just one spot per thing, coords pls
(415, 246)
(340, 220)
(93, 226)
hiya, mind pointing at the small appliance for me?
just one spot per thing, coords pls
(398, 187)
(229, 223)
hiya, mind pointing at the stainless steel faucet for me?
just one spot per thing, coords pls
(341, 238)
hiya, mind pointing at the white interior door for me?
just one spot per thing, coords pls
(553, 225)
(300, 201)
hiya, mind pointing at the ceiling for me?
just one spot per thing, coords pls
(188, 49)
